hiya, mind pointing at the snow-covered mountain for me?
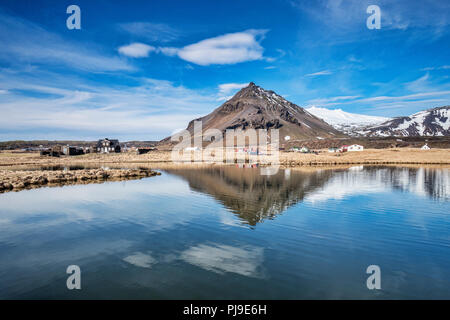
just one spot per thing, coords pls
(349, 123)
(432, 122)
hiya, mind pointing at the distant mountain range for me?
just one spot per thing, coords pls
(256, 108)
(349, 123)
(432, 122)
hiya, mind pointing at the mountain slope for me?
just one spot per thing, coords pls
(432, 122)
(346, 122)
(256, 108)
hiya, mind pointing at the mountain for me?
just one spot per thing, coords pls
(349, 123)
(432, 122)
(250, 195)
(257, 108)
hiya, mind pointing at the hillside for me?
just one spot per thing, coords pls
(256, 108)
(432, 122)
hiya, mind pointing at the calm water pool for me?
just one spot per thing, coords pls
(230, 233)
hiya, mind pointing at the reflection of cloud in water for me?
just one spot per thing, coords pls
(343, 186)
(245, 261)
(140, 259)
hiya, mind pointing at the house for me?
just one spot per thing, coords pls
(108, 146)
(297, 149)
(343, 148)
(425, 147)
(145, 150)
(72, 151)
(304, 150)
(192, 149)
(355, 147)
(333, 149)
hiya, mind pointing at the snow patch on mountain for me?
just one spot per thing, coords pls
(350, 123)
(432, 122)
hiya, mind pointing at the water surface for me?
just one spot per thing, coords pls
(230, 233)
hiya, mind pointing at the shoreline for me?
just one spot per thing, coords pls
(18, 180)
(393, 156)
(20, 171)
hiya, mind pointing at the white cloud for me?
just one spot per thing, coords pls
(226, 88)
(230, 48)
(320, 73)
(136, 50)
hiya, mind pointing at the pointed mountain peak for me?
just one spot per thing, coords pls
(253, 91)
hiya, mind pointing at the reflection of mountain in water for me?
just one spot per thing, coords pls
(255, 197)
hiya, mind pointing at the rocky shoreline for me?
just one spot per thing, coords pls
(16, 180)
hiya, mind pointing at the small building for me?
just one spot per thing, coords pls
(145, 150)
(333, 149)
(304, 150)
(343, 148)
(355, 147)
(192, 149)
(72, 151)
(108, 146)
(425, 147)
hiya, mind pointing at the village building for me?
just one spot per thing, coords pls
(192, 149)
(108, 146)
(72, 151)
(333, 149)
(355, 147)
(145, 150)
(425, 147)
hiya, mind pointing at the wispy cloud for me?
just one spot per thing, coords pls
(445, 67)
(24, 41)
(320, 73)
(149, 110)
(332, 99)
(226, 89)
(148, 31)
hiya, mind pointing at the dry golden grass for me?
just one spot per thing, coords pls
(404, 156)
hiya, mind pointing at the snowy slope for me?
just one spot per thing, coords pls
(432, 122)
(350, 123)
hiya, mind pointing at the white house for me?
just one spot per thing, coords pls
(425, 147)
(355, 147)
(192, 149)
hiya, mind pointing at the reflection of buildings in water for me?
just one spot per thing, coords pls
(426, 182)
(254, 197)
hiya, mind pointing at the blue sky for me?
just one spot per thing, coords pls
(143, 69)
